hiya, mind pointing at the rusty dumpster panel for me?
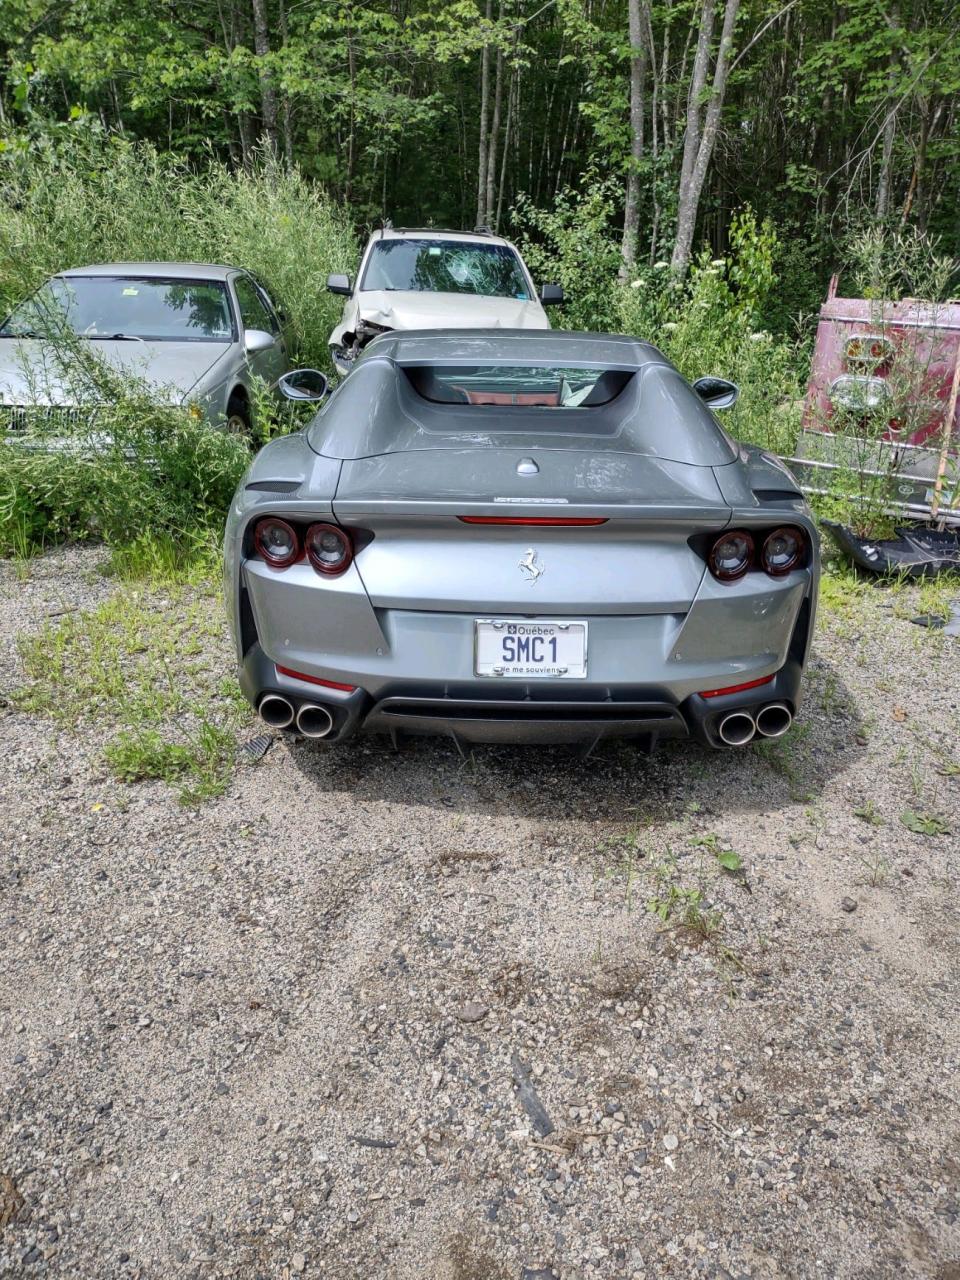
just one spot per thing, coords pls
(877, 399)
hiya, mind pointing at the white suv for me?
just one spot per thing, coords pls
(430, 279)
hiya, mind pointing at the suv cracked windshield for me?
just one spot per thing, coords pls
(445, 266)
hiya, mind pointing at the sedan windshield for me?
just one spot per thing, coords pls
(445, 266)
(151, 309)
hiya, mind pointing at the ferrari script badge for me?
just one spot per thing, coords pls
(530, 565)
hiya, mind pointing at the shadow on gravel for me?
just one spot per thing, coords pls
(616, 781)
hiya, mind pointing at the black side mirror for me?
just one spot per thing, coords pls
(551, 295)
(717, 393)
(303, 384)
(339, 284)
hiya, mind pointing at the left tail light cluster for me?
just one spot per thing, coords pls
(280, 543)
(776, 552)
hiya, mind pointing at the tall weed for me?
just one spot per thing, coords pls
(126, 469)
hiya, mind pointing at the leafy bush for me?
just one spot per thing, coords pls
(574, 245)
(102, 199)
(707, 324)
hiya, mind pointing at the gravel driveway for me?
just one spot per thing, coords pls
(525, 1015)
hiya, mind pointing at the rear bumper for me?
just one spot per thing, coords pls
(413, 670)
(547, 712)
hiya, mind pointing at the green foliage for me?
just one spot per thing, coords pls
(706, 325)
(202, 763)
(574, 245)
(144, 474)
(924, 824)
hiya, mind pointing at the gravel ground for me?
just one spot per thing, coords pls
(378, 1015)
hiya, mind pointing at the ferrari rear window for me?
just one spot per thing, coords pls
(520, 386)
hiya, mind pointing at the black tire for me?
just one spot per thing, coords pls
(238, 418)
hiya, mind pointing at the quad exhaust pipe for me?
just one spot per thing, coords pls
(314, 721)
(739, 727)
(276, 711)
(774, 720)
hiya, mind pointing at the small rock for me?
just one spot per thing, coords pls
(297, 1263)
(671, 1141)
(472, 1012)
(848, 904)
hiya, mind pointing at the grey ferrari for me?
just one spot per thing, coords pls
(520, 537)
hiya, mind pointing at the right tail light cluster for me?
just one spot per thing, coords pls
(776, 553)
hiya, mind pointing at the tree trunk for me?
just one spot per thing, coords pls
(286, 107)
(492, 145)
(918, 164)
(352, 126)
(511, 94)
(484, 111)
(883, 185)
(698, 81)
(631, 209)
(248, 142)
(268, 95)
(691, 186)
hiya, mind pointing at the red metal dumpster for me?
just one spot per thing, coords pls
(882, 386)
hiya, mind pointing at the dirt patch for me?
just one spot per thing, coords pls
(203, 1010)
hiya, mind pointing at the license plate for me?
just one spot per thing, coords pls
(525, 650)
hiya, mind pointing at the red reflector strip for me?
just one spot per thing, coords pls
(567, 520)
(736, 688)
(327, 684)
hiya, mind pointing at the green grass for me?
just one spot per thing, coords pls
(147, 664)
(202, 763)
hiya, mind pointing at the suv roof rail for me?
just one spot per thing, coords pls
(446, 231)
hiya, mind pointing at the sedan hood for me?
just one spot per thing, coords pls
(414, 310)
(34, 372)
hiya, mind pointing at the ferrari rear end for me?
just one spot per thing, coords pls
(534, 571)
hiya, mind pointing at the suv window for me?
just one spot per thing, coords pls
(254, 312)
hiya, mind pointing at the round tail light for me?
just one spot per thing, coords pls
(329, 549)
(731, 555)
(276, 541)
(782, 551)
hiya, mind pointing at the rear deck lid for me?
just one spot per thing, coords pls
(578, 392)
